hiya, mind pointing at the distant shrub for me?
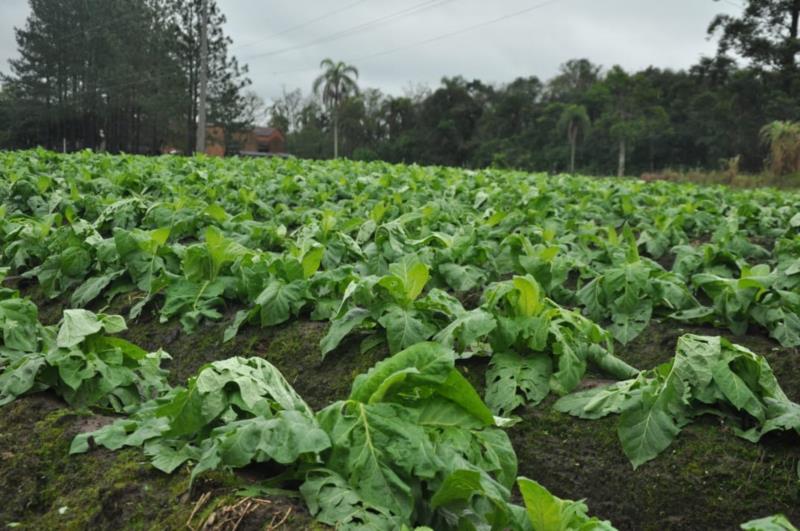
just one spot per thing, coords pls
(783, 140)
(366, 154)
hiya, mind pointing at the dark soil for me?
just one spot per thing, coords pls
(708, 479)
(42, 487)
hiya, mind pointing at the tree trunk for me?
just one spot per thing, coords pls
(572, 156)
(573, 139)
(793, 45)
(200, 137)
(335, 135)
(793, 32)
(621, 162)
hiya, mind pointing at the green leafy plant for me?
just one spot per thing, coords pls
(234, 412)
(539, 347)
(760, 295)
(546, 512)
(78, 360)
(392, 302)
(777, 522)
(66, 258)
(149, 262)
(200, 291)
(628, 291)
(413, 444)
(277, 288)
(708, 374)
(418, 406)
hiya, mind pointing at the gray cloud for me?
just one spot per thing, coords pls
(632, 33)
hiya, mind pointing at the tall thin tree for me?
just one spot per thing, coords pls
(573, 121)
(336, 83)
(201, 111)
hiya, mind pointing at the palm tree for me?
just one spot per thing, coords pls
(783, 139)
(337, 82)
(573, 120)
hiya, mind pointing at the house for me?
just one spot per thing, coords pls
(258, 141)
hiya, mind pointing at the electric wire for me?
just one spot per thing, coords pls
(435, 38)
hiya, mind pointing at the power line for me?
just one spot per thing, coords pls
(362, 27)
(462, 30)
(301, 25)
(79, 34)
(438, 37)
(416, 8)
(734, 4)
(169, 71)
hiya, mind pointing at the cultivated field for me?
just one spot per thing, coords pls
(250, 344)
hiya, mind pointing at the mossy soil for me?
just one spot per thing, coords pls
(708, 479)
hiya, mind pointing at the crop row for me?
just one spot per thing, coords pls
(539, 275)
(412, 444)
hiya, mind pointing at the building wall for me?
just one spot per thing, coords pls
(248, 141)
(215, 145)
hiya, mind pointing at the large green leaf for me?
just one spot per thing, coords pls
(466, 329)
(367, 440)
(461, 278)
(412, 274)
(405, 327)
(20, 321)
(708, 374)
(428, 364)
(76, 326)
(529, 299)
(280, 301)
(334, 502)
(513, 380)
(776, 522)
(549, 513)
(646, 430)
(342, 326)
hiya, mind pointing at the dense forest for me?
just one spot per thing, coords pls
(132, 86)
(607, 120)
(119, 75)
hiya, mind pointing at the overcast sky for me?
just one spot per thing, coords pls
(400, 43)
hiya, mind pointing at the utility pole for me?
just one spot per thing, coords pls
(201, 111)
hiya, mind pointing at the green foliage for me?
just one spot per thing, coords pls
(777, 522)
(77, 359)
(197, 294)
(418, 406)
(190, 250)
(233, 413)
(783, 139)
(630, 289)
(438, 264)
(707, 375)
(392, 301)
(549, 513)
(540, 346)
(145, 54)
(413, 443)
(761, 295)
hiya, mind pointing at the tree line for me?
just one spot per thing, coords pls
(722, 111)
(120, 75)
